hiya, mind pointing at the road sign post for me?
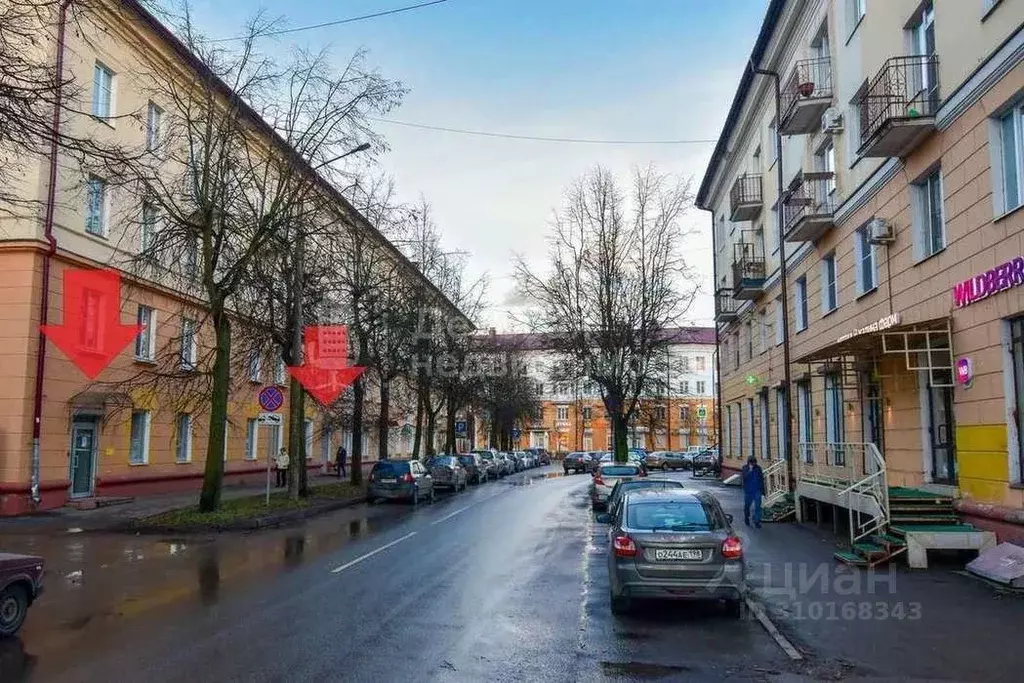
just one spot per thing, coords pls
(271, 398)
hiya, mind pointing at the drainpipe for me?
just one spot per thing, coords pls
(718, 365)
(51, 249)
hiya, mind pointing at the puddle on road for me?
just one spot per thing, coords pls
(640, 670)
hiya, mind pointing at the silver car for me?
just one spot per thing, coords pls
(674, 545)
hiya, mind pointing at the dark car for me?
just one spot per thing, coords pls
(577, 462)
(399, 480)
(624, 486)
(491, 465)
(594, 461)
(476, 468)
(667, 460)
(449, 473)
(541, 456)
(21, 582)
(674, 545)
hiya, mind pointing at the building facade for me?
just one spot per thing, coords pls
(108, 436)
(901, 172)
(573, 417)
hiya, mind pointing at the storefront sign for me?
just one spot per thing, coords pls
(877, 326)
(965, 372)
(999, 279)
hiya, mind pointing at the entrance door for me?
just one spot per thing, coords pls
(940, 431)
(83, 458)
(871, 409)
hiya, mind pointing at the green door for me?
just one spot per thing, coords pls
(83, 458)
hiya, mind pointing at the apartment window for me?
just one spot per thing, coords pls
(753, 430)
(701, 364)
(252, 431)
(684, 413)
(867, 266)
(766, 451)
(930, 223)
(148, 227)
(307, 426)
(184, 434)
(780, 422)
(224, 445)
(659, 413)
(700, 388)
(750, 341)
(1017, 352)
(562, 413)
(586, 412)
(685, 363)
(188, 344)
(154, 126)
(280, 372)
(736, 348)
(834, 417)
(1011, 152)
(540, 388)
(763, 330)
(145, 343)
(102, 91)
(829, 286)
(255, 366)
(739, 430)
(727, 434)
(96, 206)
(139, 447)
(855, 11)
(779, 320)
(804, 420)
(825, 162)
(684, 387)
(192, 258)
(801, 304)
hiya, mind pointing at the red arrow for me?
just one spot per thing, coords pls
(92, 334)
(326, 372)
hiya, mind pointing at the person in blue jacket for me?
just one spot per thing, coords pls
(753, 488)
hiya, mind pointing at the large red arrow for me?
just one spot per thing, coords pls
(326, 372)
(92, 334)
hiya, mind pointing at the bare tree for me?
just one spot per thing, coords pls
(616, 281)
(507, 395)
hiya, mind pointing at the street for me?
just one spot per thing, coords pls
(504, 582)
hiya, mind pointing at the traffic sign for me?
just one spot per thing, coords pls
(460, 427)
(702, 413)
(274, 419)
(271, 398)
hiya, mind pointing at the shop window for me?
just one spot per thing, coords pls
(1017, 353)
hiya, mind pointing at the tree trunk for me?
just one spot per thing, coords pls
(296, 438)
(358, 396)
(431, 426)
(417, 438)
(213, 473)
(449, 446)
(495, 434)
(384, 419)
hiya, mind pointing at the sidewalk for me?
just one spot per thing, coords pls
(114, 516)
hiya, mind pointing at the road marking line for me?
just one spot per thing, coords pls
(780, 639)
(372, 553)
(450, 515)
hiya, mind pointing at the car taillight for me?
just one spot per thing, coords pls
(598, 481)
(408, 478)
(624, 546)
(732, 548)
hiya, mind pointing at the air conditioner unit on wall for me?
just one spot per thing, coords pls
(832, 121)
(880, 231)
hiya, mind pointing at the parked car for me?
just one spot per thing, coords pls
(528, 458)
(21, 582)
(401, 480)
(706, 464)
(594, 461)
(492, 467)
(476, 468)
(605, 478)
(631, 457)
(449, 473)
(506, 463)
(540, 455)
(622, 487)
(577, 462)
(667, 460)
(674, 545)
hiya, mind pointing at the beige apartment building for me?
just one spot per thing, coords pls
(94, 437)
(902, 171)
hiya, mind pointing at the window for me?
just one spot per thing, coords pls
(184, 451)
(700, 388)
(987, 6)
(540, 388)
(280, 372)
(867, 266)
(308, 433)
(562, 413)
(224, 446)
(154, 126)
(780, 422)
(1011, 152)
(763, 329)
(834, 417)
(773, 143)
(736, 348)
(145, 343)
(766, 452)
(188, 344)
(804, 422)
(685, 363)
(191, 259)
(92, 330)
(855, 11)
(727, 436)
(739, 430)
(684, 413)
(255, 366)
(684, 387)
(586, 412)
(779, 320)
(149, 227)
(102, 91)
(139, 446)
(701, 364)
(825, 162)
(252, 431)
(801, 304)
(1017, 353)
(96, 206)
(829, 286)
(750, 418)
(929, 221)
(659, 413)
(750, 340)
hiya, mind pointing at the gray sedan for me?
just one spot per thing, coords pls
(674, 545)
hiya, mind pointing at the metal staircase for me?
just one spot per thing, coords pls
(778, 501)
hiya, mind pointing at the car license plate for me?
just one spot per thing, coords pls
(389, 481)
(677, 554)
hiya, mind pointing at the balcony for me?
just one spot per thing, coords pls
(745, 200)
(808, 207)
(749, 270)
(897, 111)
(806, 95)
(726, 308)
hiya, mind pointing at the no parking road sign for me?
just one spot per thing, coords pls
(271, 398)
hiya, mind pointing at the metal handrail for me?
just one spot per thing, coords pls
(746, 190)
(812, 195)
(810, 79)
(840, 469)
(904, 88)
(775, 487)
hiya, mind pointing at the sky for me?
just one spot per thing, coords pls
(650, 70)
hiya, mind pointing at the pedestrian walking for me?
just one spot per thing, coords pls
(753, 488)
(340, 461)
(281, 462)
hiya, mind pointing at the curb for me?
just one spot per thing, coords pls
(266, 522)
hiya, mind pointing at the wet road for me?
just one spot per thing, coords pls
(503, 582)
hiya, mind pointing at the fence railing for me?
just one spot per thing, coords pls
(725, 305)
(811, 79)
(853, 469)
(776, 485)
(904, 88)
(815, 195)
(746, 190)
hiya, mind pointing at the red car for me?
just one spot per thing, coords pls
(21, 582)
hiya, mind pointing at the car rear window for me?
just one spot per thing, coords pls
(620, 470)
(674, 515)
(467, 460)
(390, 469)
(627, 486)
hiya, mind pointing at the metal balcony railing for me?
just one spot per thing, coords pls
(808, 207)
(745, 198)
(749, 269)
(905, 89)
(726, 308)
(808, 87)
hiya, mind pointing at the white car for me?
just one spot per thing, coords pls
(605, 478)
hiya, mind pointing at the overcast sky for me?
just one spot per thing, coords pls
(596, 69)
